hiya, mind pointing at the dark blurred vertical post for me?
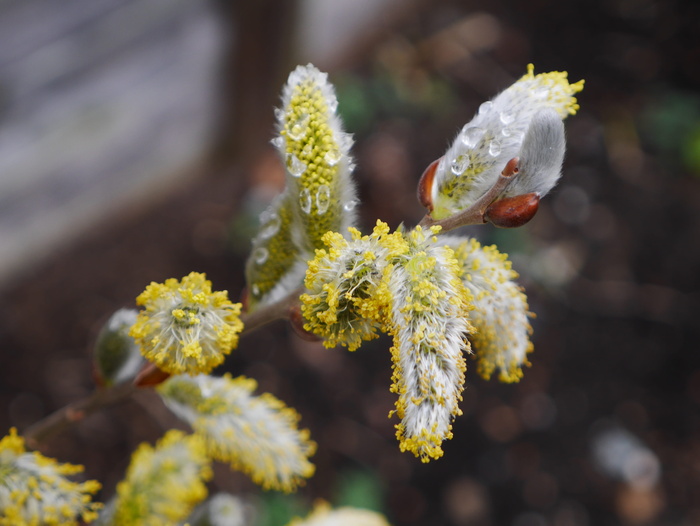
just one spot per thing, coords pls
(259, 56)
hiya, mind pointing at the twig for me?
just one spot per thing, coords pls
(474, 215)
(101, 398)
(274, 311)
(75, 412)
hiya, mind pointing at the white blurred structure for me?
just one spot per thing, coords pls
(332, 26)
(101, 101)
(622, 456)
(105, 102)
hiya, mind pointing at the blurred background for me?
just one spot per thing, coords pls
(134, 146)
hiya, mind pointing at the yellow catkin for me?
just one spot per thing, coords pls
(185, 327)
(164, 483)
(501, 316)
(319, 196)
(34, 489)
(429, 324)
(257, 435)
(347, 296)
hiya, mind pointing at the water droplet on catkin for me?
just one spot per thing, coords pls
(323, 199)
(307, 151)
(507, 117)
(541, 93)
(332, 156)
(485, 107)
(345, 140)
(351, 205)
(305, 201)
(299, 128)
(471, 135)
(459, 164)
(260, 255)
(494, 148)
(296, 166)
(271, 227)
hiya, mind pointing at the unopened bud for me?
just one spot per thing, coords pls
(116, 356)
(541, 155)
(513, 212)
(425, 185)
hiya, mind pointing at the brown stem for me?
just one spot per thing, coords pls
(274, 311)
(76, 411)
(474, 215)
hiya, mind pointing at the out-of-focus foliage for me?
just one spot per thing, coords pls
(670, 123)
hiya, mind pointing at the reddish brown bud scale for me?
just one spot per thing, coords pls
(97, 377)
(425, 185)
(513, 212)
(511, 167)
(150, 376)
(245, 299)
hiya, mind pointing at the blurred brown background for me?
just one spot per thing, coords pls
(134, 147)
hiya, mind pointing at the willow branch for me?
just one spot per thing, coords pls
(474, 215)
(271, 312)
(101, 398)
(76, 411)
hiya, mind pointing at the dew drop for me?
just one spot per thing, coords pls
(541, 93)
(307, 151)
(459, 164)
(279, 114)
(260, 255)
(506, 132)
(305, 201)
(333, 104)
(351, 205)
(255, 290)
(278, 142)
(298, 128)
(332, 156)
(507, 117)
(272, 226)
(471, 135)
(323, 199)
(485, 107)
(494, 148)
(345, 140)
(296, 166)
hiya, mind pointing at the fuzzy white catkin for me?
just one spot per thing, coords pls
(254, 434)
(501, 341)
(541, 155)
(319, 195)
(497, 134)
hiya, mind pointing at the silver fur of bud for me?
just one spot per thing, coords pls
(541, 155)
